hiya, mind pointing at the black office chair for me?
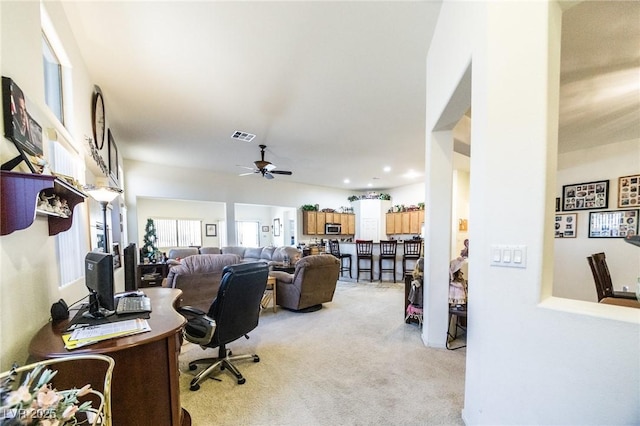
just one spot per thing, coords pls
(233, 313)
(334, 248)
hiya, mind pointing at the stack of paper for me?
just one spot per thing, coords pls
(90, 334)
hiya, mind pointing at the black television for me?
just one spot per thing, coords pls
(98, 268)
(130, 262)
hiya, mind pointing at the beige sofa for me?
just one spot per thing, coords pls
(312, 283)
(198, 276)
(271, 255)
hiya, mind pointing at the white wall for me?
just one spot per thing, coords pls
(572, 275)
(28, 260)
(162, 208)
(531, 358)
(148, 180)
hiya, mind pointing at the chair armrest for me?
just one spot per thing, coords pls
(282, 276)
(190, 310)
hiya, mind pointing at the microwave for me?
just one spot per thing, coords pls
(332, 229)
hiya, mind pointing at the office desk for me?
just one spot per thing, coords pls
(630, 303)
(145, 389)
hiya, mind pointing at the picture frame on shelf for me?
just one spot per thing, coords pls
(585, 196)
(265, 228)
(276, 227)
(629, 191)
(211, 230)
(19, 126)
(613, 224)
(113, 157)
(566, 225)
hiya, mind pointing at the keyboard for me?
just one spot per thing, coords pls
(133, 305)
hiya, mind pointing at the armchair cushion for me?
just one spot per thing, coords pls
(199, 277)
(312, 283)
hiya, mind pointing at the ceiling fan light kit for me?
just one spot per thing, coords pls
(266, 168)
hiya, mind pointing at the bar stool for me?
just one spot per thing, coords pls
(364, 251)
(334, 248)
(412, 251)
(387, 252)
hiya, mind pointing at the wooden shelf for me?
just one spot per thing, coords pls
(19, 198)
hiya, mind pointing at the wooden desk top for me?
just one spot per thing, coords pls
(630, 303)
(164, 321)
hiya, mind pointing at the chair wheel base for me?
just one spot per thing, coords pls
(194, 387)
(256, 358)
(241, 381)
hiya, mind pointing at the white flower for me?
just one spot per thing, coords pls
(19, 395)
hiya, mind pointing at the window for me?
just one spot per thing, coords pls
(52, 79)
(248, 234)
(71, 245)
(178, 232)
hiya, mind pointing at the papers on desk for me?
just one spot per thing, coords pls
(91, 334)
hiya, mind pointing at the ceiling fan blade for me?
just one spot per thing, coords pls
(247, 174)
(269, 167)
(267, 175)
(282, 172)
(245, 167)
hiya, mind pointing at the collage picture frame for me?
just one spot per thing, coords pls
(566, 225)
(629, 191)
(613, 224)
(586, 196)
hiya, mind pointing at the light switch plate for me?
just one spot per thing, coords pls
(510, 256)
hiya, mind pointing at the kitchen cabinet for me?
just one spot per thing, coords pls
(404, 222)
(309, 222)
(19, 199)
(313, 222)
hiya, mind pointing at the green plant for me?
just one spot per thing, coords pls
(308, 207)
(384, 196)
(353, 198)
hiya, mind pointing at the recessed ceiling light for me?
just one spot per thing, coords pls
(369, 185)
(243, 136)
(346, 181)
(386, 169)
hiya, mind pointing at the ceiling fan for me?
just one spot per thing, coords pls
(266, 168)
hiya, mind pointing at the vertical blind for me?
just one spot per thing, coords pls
(178, 232)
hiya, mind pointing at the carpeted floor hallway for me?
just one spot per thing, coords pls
(354, 362)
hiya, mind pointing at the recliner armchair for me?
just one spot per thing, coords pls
(312, 283)
(234, 313)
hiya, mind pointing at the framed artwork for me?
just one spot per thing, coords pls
(629, 191)
(265, 228)
(211, 230)
(276, 227)
(566, 225)
(613, 224)
(113, 157)
(19, 126)
(585, 196)
(115, 251)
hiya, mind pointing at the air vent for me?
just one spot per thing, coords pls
(243, 136)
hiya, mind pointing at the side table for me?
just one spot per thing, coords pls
(269, 294)
(151, 274)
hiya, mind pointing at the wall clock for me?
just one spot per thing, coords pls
(97, 117)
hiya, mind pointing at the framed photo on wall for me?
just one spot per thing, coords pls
(265, 228)
(211, 230)
(586, 196)
(566, 225)
(613, 224)
(629, 191)
(276, 227)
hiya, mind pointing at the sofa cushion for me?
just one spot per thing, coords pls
(267, 253)
(234, 250)
(200, 264)
(182, 252)
(210, 250)
(252, 254)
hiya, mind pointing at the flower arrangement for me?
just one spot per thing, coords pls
(36, 402)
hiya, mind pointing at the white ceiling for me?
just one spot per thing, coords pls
(335, 90)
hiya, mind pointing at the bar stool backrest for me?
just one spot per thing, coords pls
(412, 248)
(364, 247)
(388, 248)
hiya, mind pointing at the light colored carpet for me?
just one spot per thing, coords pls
(354, 362)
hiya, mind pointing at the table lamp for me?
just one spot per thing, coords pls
(104, 195)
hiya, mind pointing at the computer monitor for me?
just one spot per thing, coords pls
(98, 268)
(130, 262)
